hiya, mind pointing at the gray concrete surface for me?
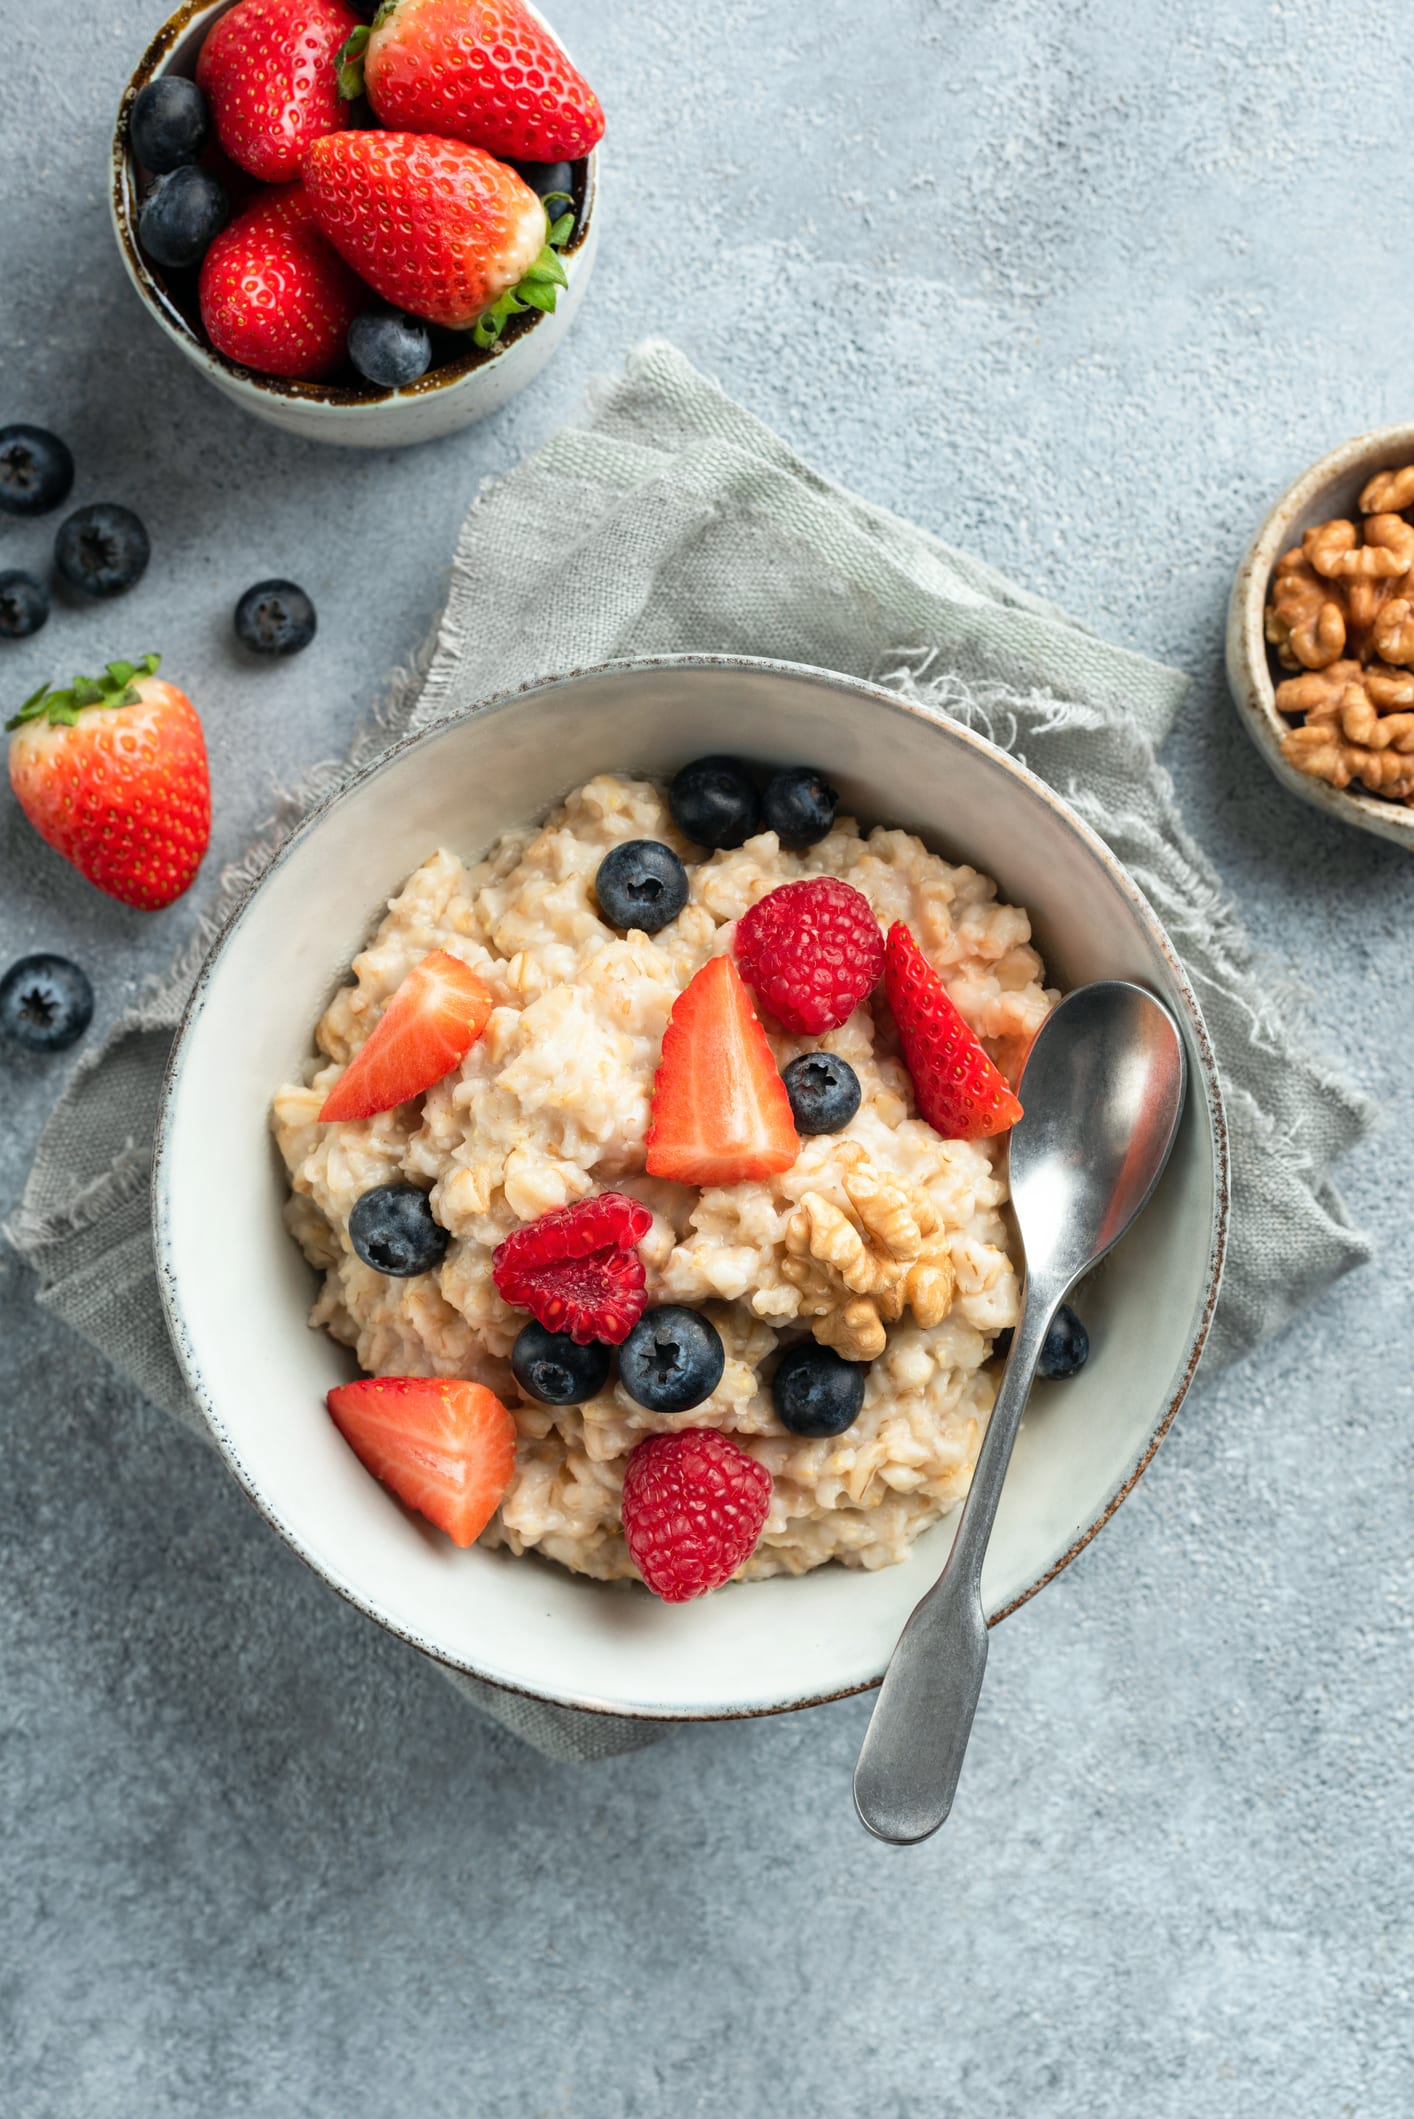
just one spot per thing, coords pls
(1081, 286)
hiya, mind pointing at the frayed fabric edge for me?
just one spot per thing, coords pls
(30, 1231)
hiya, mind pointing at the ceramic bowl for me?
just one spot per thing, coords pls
(238, 1291)
(442, 402)
(1331, 488)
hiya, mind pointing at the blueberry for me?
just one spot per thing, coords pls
(181, 217)
(24, 605)
(102, 549)
(1067, 1347)
(1065, 1353)
(823, 1092)
(714, 802)
(815, 1391)
(671, 1360)
(275, 618)
(392, 1230)
(46, 1003)
(36, 470)
(553, 1369)
(641, 884)
(545, 177)
(798, 805)
(389, 348)
(169, 124)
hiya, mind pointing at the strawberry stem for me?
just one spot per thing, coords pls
(61, 709)
(537, 289)
(349, 62)
(560, 219)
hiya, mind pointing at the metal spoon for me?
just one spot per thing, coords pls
(1103, 1090)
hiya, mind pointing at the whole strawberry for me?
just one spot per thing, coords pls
(270, 71)
(275, 295)
(438, 228)
(694, 1505)
(112, 773)
(483, 71)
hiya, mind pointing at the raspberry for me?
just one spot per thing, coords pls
(811, 950)
(694, 1505)
(576, 1270)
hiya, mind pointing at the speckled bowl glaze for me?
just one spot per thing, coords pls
(1329, 489)
(238, 1290)
(442, 402)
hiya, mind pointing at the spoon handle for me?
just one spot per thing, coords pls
(913, 1749)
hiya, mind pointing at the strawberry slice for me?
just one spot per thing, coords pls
(427, 1028)
(577, 1270)
(721, 1114)
(960, 1092)
(446, 1448)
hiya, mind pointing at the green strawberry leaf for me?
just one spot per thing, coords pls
(547, 271)
(559, 218)
(349, 61)
(535, 290)
(61, 709)
(490, 324)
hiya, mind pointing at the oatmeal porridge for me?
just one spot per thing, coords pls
(882, 1240)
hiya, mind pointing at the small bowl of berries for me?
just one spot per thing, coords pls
(366, 231)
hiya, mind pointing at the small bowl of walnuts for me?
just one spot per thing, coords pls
(1320, 635)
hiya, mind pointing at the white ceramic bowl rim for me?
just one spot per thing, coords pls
(1209, 1100)
(1249, 664)
(335, 397)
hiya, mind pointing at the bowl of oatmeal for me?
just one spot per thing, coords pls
(877, 1238)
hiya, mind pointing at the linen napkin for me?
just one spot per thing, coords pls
(675, 521)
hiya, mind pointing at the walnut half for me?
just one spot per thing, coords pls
(1305, 620)
(859, 1268)
(1388, 492)
(1321, 750)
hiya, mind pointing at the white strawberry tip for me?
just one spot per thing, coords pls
(537, 288)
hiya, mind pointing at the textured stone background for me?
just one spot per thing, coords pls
(1080, 286)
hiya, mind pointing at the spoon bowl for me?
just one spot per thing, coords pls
(1102, 1093)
